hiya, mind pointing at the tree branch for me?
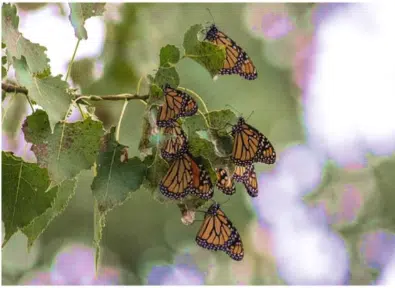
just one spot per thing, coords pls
(116, 97)
(10, 88)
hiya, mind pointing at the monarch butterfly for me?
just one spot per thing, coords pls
(224, 182)
(177, 104)
(217, 231)
(186, 176)
(236, 59)
(177, 144)
(247, 176)
(236, 250)
(250, 145)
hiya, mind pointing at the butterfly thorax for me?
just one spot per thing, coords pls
(239, 126)
(211, 34)
(212, 210)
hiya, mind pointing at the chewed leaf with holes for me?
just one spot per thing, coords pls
(167, 73)
(155, 97)
(217, 120)
(206, 54)
(221, 119)
(117, 177)
(48, 92)
(17, 45)
(157, 169)
(72, 147)
(24, 195)
(64, 192)
(167, 76)
(169, 56)
(208, 138)
(80, 12)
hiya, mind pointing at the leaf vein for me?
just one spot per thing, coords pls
(17, 192)
(109, 173)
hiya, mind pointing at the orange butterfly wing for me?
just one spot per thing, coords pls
(250, 145)
(186, 176)
(225, 182)
(247, 176)
(236, 59)
(176, 104)
(201, 183)
(176, 144)
(175, 183)
(236, 250)
(217, 231)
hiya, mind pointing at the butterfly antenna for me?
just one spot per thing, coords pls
(223, 204)
(252, 112)
(227, 124)
(211, 15)
(212, 200)
(234, 109)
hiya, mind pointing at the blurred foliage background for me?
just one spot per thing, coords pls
(143, 232)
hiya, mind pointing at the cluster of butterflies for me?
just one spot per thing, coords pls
(186, 176)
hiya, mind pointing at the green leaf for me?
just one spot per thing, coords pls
(24, 195)
(117, 177)
(80, 12)
(82, 72)
(167, 73)
(220, 119)
(50, 92)
(223, 143)
(145, 144)
(72, 147)
(99, 222)
(3, 72)
(215, 120)
(205, 148)
(150, 79)
(193, 124)
(14, 112)
(155, 96)
(169, 56)
(201, 147)
(64, 191)
(211, 142)
(36, 127)
(167, 76)
(151, 136)
(157, 169)
(17, 45)
(208, 55)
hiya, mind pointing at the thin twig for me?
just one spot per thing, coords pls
(30, 103)
(118, 129)
(72, 60)
(116, 97)
(69, 71)
(10, 88)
